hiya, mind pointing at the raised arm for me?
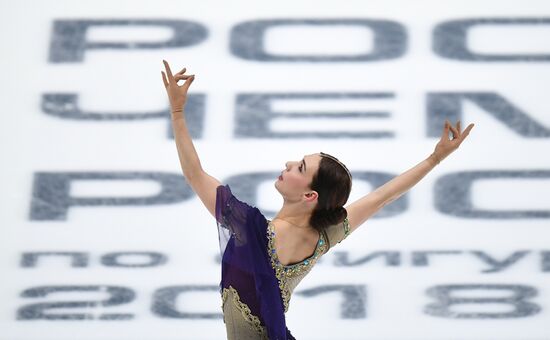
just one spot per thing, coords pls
(362, 209)
(202, 183)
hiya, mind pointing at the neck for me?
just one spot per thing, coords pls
(295, 215)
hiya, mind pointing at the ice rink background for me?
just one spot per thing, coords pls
(100, 237)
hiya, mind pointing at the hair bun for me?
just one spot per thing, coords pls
(328, 217)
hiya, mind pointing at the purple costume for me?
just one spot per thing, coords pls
(259, 285)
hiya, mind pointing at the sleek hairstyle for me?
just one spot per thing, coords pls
(333, 184)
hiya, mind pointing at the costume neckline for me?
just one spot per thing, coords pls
(307, 260)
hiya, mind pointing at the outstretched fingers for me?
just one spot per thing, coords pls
(168, 72)
(164, 79)
(445, 133)
(169, 78)
(183, 76)
(188, 82)
(454, 130)
(467, 130)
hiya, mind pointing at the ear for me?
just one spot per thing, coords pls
(312, 196)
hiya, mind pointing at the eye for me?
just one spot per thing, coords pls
(301, 165)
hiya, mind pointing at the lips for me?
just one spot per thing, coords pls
(281, 177)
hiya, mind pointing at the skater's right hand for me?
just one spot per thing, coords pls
(446, 146)
(176, 94)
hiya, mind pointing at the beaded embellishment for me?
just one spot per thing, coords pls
(346, 229)
(245, 310)
(283, 272)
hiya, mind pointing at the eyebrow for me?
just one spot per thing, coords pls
(304, 161)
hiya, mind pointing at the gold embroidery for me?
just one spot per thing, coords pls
(284, 273)
(245, 310)
(346, 229)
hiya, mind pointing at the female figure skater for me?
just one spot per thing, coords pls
(263, 260)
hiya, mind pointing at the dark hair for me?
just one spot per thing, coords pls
(333, 184)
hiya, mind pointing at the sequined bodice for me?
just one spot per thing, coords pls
(290, 275)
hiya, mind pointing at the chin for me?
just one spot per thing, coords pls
(276, 185)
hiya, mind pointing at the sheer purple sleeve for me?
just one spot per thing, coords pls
(231, 214)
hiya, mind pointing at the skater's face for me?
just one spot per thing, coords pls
(294, 182)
